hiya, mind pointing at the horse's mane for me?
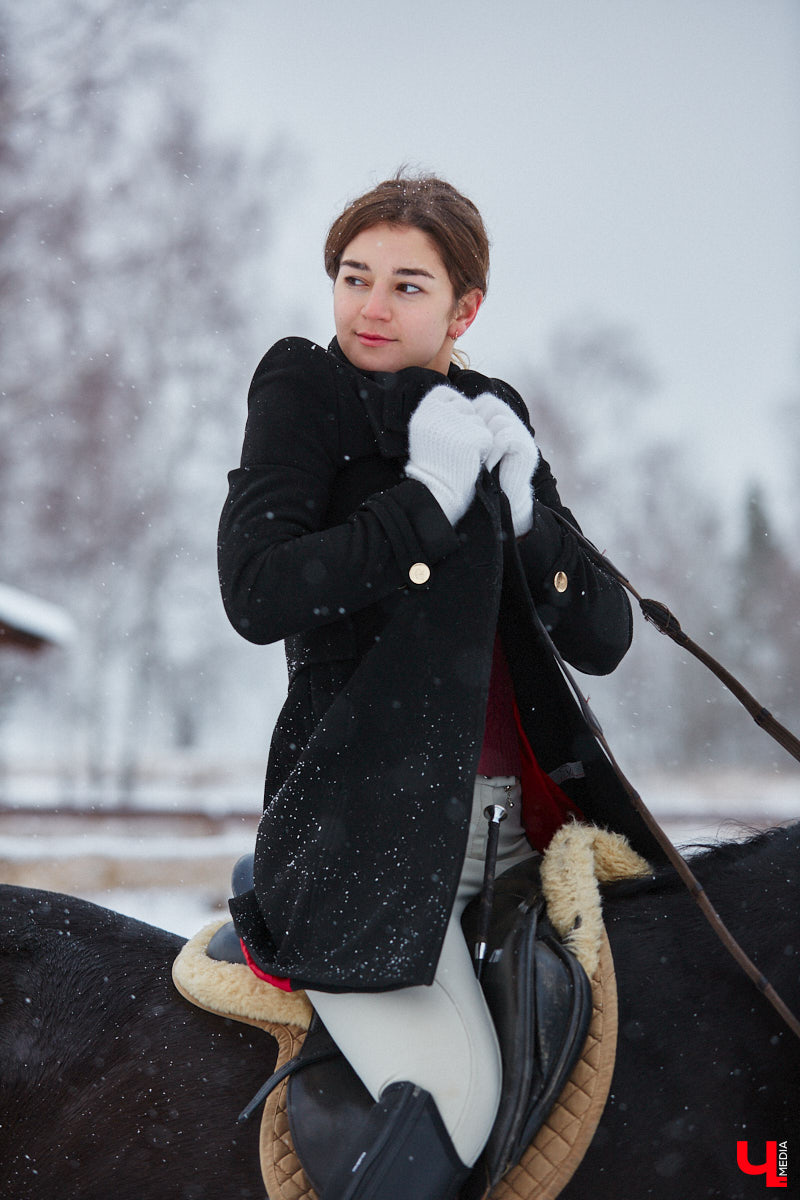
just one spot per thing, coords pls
(706, 861)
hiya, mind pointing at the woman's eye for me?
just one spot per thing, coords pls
(410, 289)
(355, 281)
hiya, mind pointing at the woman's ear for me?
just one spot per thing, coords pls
(466, 312)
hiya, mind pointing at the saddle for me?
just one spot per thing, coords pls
(557, 1062)
(540, 1000)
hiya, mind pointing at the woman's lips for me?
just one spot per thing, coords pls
(373, 339)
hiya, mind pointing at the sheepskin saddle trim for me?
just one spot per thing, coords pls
(578, 859)
(232, 990)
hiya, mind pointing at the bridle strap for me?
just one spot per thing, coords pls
(659, 615)
(698, 893)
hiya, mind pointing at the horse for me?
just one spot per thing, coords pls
(113, 1087)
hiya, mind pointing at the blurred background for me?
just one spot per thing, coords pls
(167, 177)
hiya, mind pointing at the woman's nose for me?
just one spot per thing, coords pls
(376, 305)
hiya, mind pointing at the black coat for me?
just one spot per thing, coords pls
(373, 758)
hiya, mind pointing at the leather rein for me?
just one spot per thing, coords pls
(660, 616)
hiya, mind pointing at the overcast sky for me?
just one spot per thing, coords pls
(634, 159)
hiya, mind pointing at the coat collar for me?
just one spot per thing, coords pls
(389, 398)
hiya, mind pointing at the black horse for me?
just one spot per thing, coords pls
(112, 1087)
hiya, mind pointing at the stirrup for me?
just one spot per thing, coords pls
(402, 1150)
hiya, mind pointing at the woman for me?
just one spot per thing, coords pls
(393, 521)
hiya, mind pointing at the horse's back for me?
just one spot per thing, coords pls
(703, 1060)
(111, 1085)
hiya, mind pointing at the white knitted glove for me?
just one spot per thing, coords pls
(447, 443)
(516, 451)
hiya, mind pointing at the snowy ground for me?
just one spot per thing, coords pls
(171, 868)
(183, 910)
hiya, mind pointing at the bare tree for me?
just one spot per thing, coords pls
(597, 411)
(129, 261)
(764, 635)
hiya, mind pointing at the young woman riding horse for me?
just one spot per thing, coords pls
(393, 520)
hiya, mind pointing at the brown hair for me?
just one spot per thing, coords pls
(451, 221)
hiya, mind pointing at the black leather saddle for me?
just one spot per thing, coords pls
(541, 1002)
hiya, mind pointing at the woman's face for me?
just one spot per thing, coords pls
(393, 302)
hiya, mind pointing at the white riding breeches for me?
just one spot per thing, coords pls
(439, 1037)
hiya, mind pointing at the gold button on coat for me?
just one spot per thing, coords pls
(560, 581)
(419, 573)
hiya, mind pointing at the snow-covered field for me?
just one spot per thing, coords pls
(170, 867)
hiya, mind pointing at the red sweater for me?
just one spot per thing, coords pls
(506, 751)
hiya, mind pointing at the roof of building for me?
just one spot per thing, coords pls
(30, 623)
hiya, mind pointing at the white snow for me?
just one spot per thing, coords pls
(181, 910)
(18, 847)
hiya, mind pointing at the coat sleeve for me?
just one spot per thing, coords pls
(282, 571)
(585, 610)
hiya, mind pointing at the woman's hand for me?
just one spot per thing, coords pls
(516, 451)
(448, 441)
